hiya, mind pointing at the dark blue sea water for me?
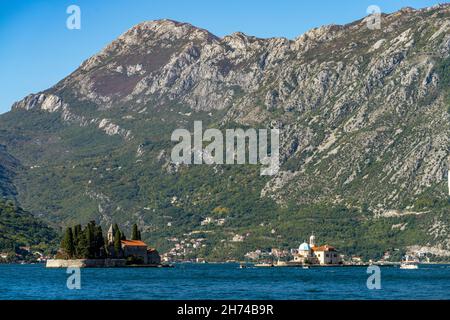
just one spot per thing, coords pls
(224, 281)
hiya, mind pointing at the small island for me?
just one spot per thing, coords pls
(86, 247)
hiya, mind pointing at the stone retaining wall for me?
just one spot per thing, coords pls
(85, 263)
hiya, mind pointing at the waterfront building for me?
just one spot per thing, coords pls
(310, 253)
(304, 254)
(135, 249)
(326, 255)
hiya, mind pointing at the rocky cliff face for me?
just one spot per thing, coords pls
(364, 114)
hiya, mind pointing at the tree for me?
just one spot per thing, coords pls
(139, 235)
(77, 230)
(115, 228)
(117, 244)
(99, 242)
(83, 246)
(135, 233)
(87, 243)
(67, 243)
(90, 236)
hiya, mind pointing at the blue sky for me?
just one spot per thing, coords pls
(37, 50)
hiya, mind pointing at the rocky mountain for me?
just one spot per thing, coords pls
(363, 116)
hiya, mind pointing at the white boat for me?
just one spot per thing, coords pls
(409, 264)
(264, 265)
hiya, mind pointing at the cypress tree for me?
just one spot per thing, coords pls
(135, 233)
(139, 235)
(99, 242)
(90, 239)
(75, 234)
(107, 249)
(76, 238)
(117, 244)
(67, 243)
(83, 245)
(115, 229)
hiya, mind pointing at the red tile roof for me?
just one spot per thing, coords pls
(324, 248)
(133, 243)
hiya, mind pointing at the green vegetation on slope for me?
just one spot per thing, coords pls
(363, 114)
(20, 228)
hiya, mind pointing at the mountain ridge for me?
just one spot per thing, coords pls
(363, 114)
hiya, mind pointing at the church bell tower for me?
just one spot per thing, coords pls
(312, 241)
(110, 235)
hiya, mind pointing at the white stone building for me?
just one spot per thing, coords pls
(310, 253)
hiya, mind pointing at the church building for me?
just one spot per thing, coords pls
(310, 253)
(135, 249)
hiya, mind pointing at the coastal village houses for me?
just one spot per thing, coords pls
(310, 253)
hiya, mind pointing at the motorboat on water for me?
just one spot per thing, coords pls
(264, 265)
(409, 264)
